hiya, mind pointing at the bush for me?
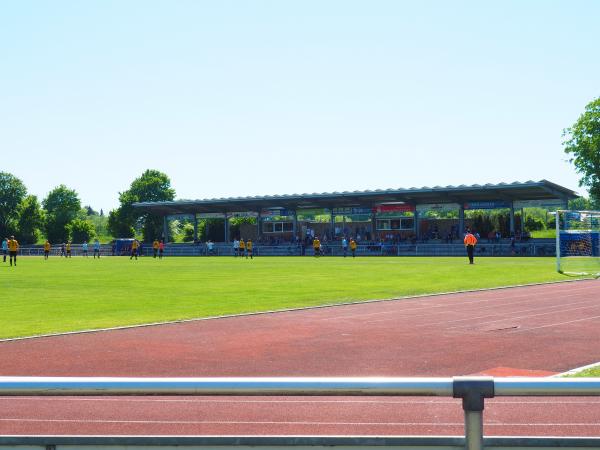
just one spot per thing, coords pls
(81, 230)
(534, 224)
(188, 232)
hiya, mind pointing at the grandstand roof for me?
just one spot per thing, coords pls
(528, 190)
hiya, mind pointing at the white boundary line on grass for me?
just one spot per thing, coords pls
(328, 305)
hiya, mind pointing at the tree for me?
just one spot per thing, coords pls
(581, 204)
(81, 230)
(582, 141)
(62, 206)
(119, 225)
(31, 220)
(152, 186)
(12, 193)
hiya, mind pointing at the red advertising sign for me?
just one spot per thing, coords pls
(379, 209)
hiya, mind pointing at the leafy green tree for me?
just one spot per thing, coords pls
(81, 230)
(89, 211)
(31, 220)
(582, 141)
(62, 206)
(12, 193)
(119, 225)
(151, 186)
(582, 204)
(188, 232)
(100, 224)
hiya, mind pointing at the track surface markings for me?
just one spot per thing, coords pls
(541, 329)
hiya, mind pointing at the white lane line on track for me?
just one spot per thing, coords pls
(507, 315)
(523, 317)
(429, 306)
(451, 308)
(522, 330)
(494, 402)
(266, 422)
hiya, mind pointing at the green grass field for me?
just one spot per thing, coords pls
(591, 372)
(58, 295)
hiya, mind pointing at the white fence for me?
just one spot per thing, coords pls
(472, 390)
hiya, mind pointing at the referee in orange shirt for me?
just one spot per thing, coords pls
(470, 242)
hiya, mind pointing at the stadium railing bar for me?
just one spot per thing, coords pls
(529, 249)
(472, 390)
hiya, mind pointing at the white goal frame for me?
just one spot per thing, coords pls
(558, 243)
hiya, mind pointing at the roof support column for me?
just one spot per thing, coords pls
(258, 226)
(195, 227)
(416, 223)
(165, 229)
(522, 221)
(512, 218)
(332, 224)
(295, 227)
(461, 222)
(374, 226)
(226, 224)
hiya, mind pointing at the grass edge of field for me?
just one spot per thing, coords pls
(589, 371)
(282, 310)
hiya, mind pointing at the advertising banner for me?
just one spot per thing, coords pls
(351, 211)
(181, 216)
(491, 204)
(312, 212)
(274, 212)
(242, 214)
(211, 216)
(387, 209)
(438, 207)
(549, 203)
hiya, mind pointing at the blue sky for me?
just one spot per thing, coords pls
(261, 97)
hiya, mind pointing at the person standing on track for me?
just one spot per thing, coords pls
(155, 246)
(68, 249)
(47, 247)
(84, 248)
(13, 248)
(161, 249)
(470, 242)
(345, 246)
(236, 247)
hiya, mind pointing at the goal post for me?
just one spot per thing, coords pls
(578, 242)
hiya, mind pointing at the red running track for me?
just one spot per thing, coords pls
(536, 330)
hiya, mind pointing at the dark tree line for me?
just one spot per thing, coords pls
(58, 217)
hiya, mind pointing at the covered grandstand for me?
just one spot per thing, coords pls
(436, 214)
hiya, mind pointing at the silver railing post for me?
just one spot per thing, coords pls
(473, 391)
(474, 430)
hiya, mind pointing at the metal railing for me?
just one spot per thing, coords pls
(472, 390)
(420, 249)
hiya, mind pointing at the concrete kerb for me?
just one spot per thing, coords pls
(303, 308)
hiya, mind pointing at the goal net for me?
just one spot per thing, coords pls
(578, 242)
